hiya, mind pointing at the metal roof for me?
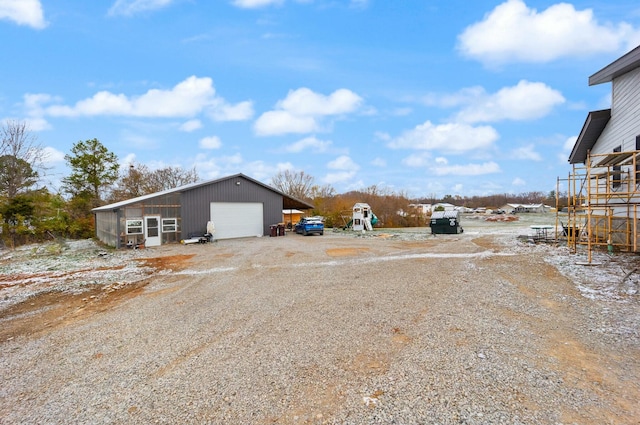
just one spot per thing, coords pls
(591, 130)
(621, 66)
(287, 201)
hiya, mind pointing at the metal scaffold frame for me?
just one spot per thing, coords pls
(602, 203)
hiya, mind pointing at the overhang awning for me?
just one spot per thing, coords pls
(289, 202)
(591, 130)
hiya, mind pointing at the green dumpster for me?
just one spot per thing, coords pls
(445, 222)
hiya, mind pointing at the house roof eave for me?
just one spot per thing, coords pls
(620, 66)
(591, 130)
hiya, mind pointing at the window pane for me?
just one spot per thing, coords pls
(134, 227)
(169, 224)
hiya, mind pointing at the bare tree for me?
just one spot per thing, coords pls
(172, 177)
(131, 183)
(139, 180)
(294, 183)
(21, 157)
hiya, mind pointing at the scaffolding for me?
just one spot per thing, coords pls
(602, 203)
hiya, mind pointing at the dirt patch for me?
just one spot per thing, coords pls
(346, 252)
(487, 242)
(591, 371)
(502, 218)
(169, 262)
(47, 311)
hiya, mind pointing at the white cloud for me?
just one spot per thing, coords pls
(466, 169)
(131, 7)
(343, 162)
(417, 160)
(239, 112)
(345, 167)
(567, 147)
(526, 152)
(379, 162)
(38, 124)
(213, 167)
(518, 182)
(254, 4)
(309, 144)
(211, 142)
(513, 32)
(23, 12)
(452, 137)
(401, 112)
(283, 122)
(188, 98)
(306, 102)
(127, 161)
(569, 144)
(52, 155)
(338, 177)
(524, 101)
(302, 111)
(191, 125)
(379, 135)
(457, 188)
(464, 96)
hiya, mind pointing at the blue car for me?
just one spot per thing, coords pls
(309, 226)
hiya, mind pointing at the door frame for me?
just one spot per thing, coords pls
(152, 240)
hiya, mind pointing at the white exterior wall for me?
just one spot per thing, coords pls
(624, 125)
(621, 130)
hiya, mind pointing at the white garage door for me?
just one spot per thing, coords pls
(237, 219)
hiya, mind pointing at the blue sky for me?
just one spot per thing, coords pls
(423, 97)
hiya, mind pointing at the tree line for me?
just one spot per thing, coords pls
(393, 208)
(31, 213)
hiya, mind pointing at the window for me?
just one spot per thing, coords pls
(616, 180)
(169, 225)
(134, 227)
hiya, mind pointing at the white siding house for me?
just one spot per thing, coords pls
(606, 160)
(443, 205)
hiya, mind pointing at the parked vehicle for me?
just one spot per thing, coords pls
(310, 225)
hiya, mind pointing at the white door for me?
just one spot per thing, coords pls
(152, 230)
(237, 219)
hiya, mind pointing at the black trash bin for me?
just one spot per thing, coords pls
(445, 222)
(281, 230)
(273, 230)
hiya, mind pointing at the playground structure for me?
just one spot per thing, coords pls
(362, 218)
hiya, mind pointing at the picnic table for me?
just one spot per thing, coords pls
(542, 231)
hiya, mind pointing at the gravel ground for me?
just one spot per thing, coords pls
(388, 327)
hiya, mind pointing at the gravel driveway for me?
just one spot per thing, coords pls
(475, 328)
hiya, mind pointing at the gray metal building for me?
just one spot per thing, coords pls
(238, 206)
